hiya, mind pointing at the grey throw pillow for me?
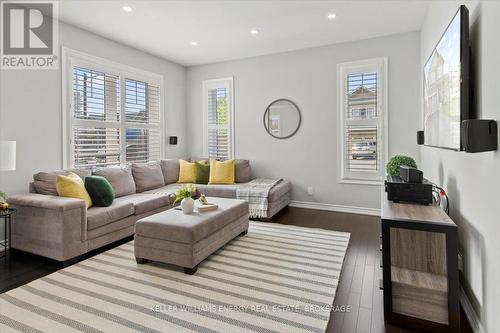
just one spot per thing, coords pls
(147, 176)
(120, 178)
(45, 182)
(242, 171)
(170, 170)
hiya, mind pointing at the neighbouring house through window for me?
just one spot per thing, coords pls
(362, 125)
(112, 113)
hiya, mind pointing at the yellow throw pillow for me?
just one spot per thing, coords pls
(221, 172)
(71, 186)
(187, 172)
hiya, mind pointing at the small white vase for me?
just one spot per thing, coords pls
(187, 205)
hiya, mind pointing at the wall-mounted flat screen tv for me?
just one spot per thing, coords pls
(446, 85)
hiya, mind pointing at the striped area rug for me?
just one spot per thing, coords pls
(277, 278)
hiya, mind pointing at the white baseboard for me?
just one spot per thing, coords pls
(471, 315)
(335, 208)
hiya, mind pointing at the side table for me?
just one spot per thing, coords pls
(6, 215)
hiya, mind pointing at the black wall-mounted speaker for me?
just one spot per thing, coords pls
(420, 137)
(479, 135)
(173, 140)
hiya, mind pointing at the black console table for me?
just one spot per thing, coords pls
(6, 216)
(420, 267)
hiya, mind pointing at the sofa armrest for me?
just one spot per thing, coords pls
(50, 226)
(45, 201)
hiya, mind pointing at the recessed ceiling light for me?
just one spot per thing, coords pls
(332, 16)
(127, 9)
(194, 43)
(254, 31)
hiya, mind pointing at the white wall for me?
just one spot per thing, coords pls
(473, 180)
(30, 105)
(309, 78)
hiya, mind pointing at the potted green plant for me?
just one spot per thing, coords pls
(184, 195)
(396, 161)
(3, 201)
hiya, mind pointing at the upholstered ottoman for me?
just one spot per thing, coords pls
(185, 240)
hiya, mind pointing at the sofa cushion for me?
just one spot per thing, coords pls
(219, 190)
(229, 191)
(120, 178)
(169, 189)
(100, 190)
(100, 216)
(170, 170)
(146, 202)
(242, 171)
(202, 172)
(221, 172)
(45, 182)
(147, 176)
(187, 172)
(71, 186)
(226, 191)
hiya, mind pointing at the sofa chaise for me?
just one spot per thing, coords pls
(63, 228)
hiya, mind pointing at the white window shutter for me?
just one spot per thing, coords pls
(142, 121)
(363, 117)
(218, 118)
(96, 114)
(115, 117)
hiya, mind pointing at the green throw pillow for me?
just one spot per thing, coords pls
(100, 190)
(202, 173)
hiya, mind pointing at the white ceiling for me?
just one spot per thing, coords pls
(222, 28)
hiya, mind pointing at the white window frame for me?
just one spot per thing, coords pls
(72, 58)
(227, 82)
(368, 177)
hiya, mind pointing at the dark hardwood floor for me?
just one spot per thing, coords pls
(359, 283)
(358, 287)
(25, 267)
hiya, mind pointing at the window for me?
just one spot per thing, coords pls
(218, 118)
(363, 116)
(142, 117)
(112, 113)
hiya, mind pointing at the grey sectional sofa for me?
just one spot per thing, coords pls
(63, 228)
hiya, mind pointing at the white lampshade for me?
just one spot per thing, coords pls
(7, 155)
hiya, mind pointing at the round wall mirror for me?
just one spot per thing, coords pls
(282, 118)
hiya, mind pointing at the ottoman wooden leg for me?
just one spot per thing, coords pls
(243, 233)
(141, 260)
(190, 271)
